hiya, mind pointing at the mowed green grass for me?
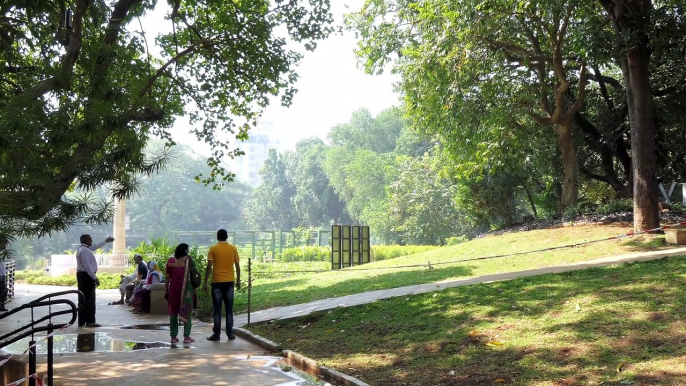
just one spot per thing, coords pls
(617, 325)
(302, 288)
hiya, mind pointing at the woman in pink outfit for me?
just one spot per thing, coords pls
(179, 293)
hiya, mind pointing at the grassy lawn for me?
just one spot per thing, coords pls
(301, 288)
(619, 325)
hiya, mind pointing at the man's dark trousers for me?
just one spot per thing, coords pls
(222, 292)
(3, 290)
(86, 285)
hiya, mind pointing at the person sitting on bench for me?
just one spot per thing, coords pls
(141, 301)
(141, 274)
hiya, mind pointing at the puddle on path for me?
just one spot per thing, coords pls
(307, 379)
(73, 343)
(153, 327)
(283, 365)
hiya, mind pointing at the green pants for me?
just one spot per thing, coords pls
(174, 326)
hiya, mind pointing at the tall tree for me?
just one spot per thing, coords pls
(488, 65)
(80, 92)
(315, 200)
(632, 21)
(174, 200)
(422, 202)
(378, 134)
(361, 164)
(272, 206)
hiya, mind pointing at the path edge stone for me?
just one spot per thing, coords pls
(324, 371)
(303, 362)
(256, 339)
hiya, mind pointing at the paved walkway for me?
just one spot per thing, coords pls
(235, 363)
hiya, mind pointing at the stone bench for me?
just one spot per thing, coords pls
(158, 304)
(675, 236)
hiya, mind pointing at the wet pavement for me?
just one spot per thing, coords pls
(120, 354)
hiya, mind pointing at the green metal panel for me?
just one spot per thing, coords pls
(335, 247)
(280, 243)
(365, 250)
(346, 257)
(355, 258)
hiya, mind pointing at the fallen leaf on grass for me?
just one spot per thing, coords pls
(620, 367)
(495, 343)
(500, 380)
(578, 307)
(331, 330)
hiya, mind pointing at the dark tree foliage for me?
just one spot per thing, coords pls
(80, 96)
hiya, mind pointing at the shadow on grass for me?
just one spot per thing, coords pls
(290, 291)
(618, 325)
(645, 245)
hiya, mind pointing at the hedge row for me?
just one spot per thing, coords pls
(107, 280)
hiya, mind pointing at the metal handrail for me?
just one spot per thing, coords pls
(33, 328)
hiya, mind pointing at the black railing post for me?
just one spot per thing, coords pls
(32, 362)
(50, 356)
(29, 330)
(249, 287)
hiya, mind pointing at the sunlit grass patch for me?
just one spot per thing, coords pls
(446, 262)
(619, 325)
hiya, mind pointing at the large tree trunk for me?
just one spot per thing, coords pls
(644, 166)
(632, 19)
(570, 183)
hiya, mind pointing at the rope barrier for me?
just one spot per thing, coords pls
(39, 381)
(430, 265)
(4, 361)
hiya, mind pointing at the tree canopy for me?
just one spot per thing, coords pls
(81, 91)
(487, 77)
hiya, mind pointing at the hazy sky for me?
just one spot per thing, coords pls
(330, 89)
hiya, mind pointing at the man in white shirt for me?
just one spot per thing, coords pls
(86, 268)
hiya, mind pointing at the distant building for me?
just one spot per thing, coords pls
(263, 138)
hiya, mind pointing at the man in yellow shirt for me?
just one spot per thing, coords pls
(221, 260)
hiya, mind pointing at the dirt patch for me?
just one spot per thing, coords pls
(576, 381)
(659, 378)
(658, 316)
(474, 380)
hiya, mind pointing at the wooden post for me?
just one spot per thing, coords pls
(249, 287)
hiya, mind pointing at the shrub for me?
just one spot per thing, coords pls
(107, 280)
(305, 254)
(456, 240)
(616, 206)
(679, 208)
(385, 252)
(24, 275)
(159, 250)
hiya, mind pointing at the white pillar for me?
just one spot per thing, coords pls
(119, 227)
(683, 193)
